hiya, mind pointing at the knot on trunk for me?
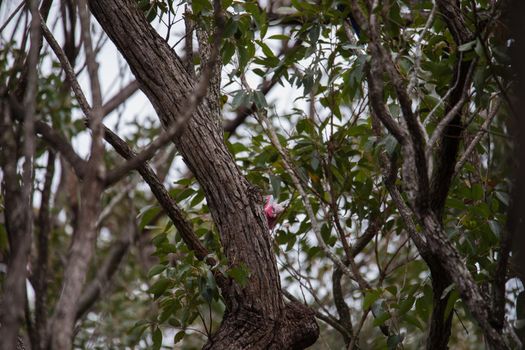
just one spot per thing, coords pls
(298, 328)
(245, 328)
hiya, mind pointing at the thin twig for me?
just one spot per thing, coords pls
(120, 97)
(440, 128)
(316, 227)
(13, 14)
(57, 140)
(461, 162)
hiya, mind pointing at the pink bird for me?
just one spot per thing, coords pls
(272, 210)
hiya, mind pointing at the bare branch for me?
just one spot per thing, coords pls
(62, 145)
(120, 97)
(105, 272)
(188, 41)
(66, 66)
(375, 84)
(340, 304)
(11, 16)
(452, 14)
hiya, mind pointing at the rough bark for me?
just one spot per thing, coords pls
(256, 315)
(478, 303)
(446, 155)
(446, 158)
(516, 222)
(18, 194)
(440, 326)
(340, 304)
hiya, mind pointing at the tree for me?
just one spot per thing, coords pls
(392, 168)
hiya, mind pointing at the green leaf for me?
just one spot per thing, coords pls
(160, 239)
(240, 99)
(371, 297)
(230, 28)
(155, 270)
(199, 197)
(275, 181)
(495, 227)
(151, 14)
(454, 296)
(157, 339)
(381, 319)
(179, 336)
(266, 50)
(160, 286)
(503, 197)
(147, 214)
(185, 194)
(394, 340)
(260, 100)
(314, 32)
(406, 305)
(227, 52)
(279, 37)
(200, 5)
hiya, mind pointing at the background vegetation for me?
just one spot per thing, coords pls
(383, 127)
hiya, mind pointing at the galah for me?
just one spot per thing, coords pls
(272, 210)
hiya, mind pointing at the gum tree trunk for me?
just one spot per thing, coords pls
(256, 316)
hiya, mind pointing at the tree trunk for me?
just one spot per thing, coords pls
(256, 316)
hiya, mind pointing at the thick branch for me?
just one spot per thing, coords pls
(58, 141)
(18, 201)
(44, 226)
(83, 243)
(449, 142)
(176, 129)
